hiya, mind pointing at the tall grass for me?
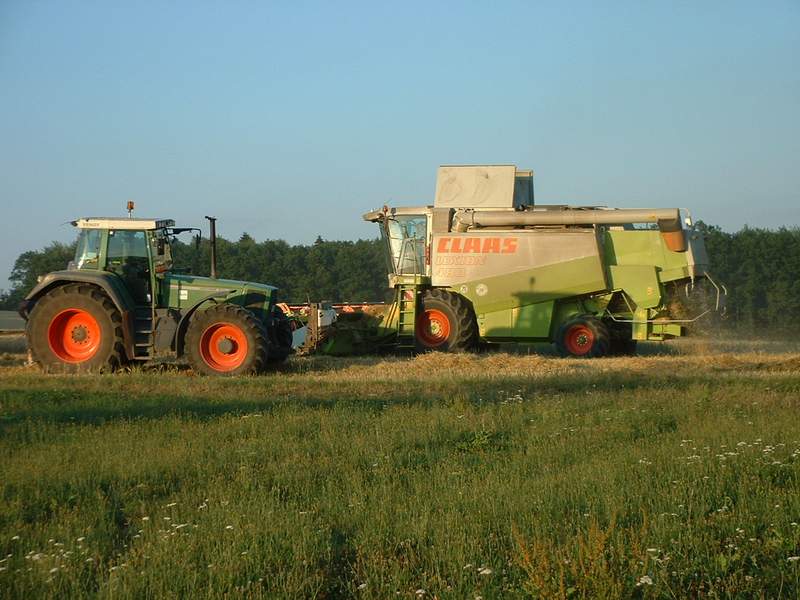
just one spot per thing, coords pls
(440, 476)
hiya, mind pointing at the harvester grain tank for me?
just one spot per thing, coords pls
(485, 265)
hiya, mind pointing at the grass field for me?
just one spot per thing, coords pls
(496, 476)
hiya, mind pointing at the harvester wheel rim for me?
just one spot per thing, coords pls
(74, 335)
(434, 327)
(579, 340)
(223, 346)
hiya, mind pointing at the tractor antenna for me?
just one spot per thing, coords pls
(130, 209)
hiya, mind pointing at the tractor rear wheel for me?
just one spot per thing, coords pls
(445, 323)
(76, 328)
(584, 337)
(281, 337)
(226, 339)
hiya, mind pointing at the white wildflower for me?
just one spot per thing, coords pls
(484, 571)
(645, 580)
(793, 558)
(363, 586)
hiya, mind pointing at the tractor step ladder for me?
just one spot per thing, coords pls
(406, 316)
(143, 333)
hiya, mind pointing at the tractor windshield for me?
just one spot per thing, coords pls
(405, 236)
(87, 249)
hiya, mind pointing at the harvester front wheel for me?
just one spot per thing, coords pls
(445, 323)
(76, 328)
(226, 339)
(583, 337)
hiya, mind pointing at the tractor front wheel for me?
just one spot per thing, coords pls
(445, 323)
(583, 337)
(226, 339)
(76, 328)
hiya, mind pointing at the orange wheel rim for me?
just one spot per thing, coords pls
(433, 328)
(74, 335)
(579, 340)
(223, 347)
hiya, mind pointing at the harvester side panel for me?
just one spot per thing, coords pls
(462, 258)
(514, 277)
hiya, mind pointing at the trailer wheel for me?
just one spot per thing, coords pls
(226, 339)
(76, 328)
(584, 337)
(445, 323)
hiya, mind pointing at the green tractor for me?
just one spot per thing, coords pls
(122, 302)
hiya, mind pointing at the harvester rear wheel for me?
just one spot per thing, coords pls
(445, 323)
(583, 337)
(226, 339)
(76, 328)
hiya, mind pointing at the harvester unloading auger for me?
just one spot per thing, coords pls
(484, 265)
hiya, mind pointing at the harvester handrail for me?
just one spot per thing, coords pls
(720, 289)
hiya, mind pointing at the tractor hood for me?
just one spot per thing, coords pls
(185, 291)
(210, 285)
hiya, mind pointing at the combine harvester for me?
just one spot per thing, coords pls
(484, 266)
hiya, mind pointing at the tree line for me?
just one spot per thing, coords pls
(760, 267)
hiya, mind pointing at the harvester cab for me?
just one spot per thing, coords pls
(484, 264)
(121, 300)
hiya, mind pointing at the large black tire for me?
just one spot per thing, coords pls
(583, 337)
(622, 343)
(226, 339)
(280, 337)
(76, 328)
(445, 323)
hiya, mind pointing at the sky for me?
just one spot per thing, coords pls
(290, 120)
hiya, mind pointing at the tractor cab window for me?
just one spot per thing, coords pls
(128, 258)
(406, 236)
(87, 250)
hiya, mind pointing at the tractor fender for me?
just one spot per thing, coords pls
(183, 324)
(107, 282)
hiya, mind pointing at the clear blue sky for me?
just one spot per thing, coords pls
(289, 120)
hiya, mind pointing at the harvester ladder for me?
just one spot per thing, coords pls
(406, 316)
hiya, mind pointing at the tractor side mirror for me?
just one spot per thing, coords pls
(160, 246)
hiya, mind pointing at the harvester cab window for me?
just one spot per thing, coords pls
(128, 258)
(87, 250)
(407, 235)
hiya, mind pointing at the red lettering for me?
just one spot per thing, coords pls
(509, 245)
(456, 245)
(491, 245)
(472, 245)
(442, 245)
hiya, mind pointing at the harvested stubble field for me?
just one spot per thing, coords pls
(665, 476)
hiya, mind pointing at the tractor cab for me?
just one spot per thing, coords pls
(135, 250)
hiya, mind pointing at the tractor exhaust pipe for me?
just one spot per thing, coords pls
(212, 221)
